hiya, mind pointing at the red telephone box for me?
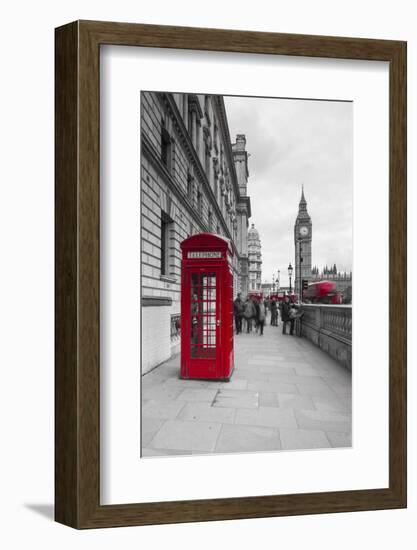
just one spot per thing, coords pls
(206, 307)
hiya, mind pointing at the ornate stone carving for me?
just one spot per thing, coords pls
(222, 185)
(207, 136)
(216, 166)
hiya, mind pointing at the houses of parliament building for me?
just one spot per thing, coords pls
(303, 237)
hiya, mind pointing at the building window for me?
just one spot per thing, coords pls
(198, 134)
(210, 220)
(215, 137)
(166, 226)
(190, 187)
(207, 163)
(166, 148)
(199, 202)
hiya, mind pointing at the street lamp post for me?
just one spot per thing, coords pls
(290, 270)
(277, 281)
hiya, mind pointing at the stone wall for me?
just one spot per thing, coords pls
(156, 341)
(330, 328)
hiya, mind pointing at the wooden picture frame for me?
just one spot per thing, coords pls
(77, 405)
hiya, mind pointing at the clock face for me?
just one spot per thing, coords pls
(303, 231)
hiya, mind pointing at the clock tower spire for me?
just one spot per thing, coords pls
(303, 232)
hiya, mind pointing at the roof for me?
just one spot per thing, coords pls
(253, 233)
(207, 241)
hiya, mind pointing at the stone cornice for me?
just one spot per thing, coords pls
(224, 126)
(244, 205)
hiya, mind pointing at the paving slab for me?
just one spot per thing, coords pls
(328, 421)
(303, 439)
(317, 388)
(291, 401)
(297, 379)
(235, 384)
(152, 381)
(163, 453)
(236, 399)
(305, 370)
(198, 412)
(341, 390)
(338, 439)
(273, 417)
(272, 386)
(185, 384)
(204, 395)
(162, 409)
(161, 393)
(186, 436)
(268, 399)
(237, 439)
(149, 427)
(249, 375)
(332, 403)
(277, 368)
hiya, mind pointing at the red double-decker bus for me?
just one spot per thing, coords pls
(322, 292)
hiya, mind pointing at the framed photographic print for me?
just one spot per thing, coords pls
(230, 274)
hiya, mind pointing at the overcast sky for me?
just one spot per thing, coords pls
(294, 142)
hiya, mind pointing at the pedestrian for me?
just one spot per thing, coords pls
(274, 313)
(261, 315)
(249, 313)
(238, 308)
(286, 316)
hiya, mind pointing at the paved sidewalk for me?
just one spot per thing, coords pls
(285, 393)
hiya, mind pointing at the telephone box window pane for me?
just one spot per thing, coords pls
(203, 319)
(209, 294)
(208, 279)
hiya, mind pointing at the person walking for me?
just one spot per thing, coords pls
(238, 308)
(274, 313)
(249, 313)
(286, 316)
(261, 315)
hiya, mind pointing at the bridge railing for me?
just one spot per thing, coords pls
(330, 328)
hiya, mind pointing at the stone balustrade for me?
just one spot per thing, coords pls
(330, 328)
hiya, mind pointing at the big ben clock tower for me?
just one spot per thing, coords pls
(302, 243)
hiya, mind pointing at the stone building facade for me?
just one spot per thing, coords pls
(303, 235)
(255, 260)
(192, 180)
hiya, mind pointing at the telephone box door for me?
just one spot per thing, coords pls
(205, 322)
